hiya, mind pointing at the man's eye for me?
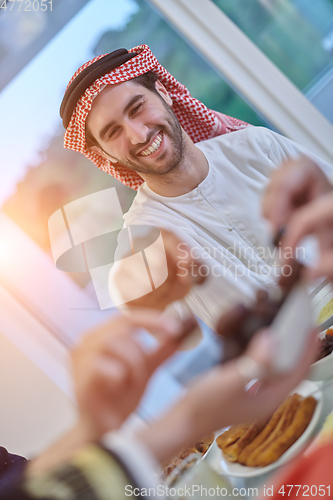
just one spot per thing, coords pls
(137, 108)
(113, 132)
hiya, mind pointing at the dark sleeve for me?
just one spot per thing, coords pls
(11, 474)
(92, 473)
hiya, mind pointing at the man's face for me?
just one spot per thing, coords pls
(137, 127)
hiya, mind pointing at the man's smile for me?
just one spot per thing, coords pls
(154, 145)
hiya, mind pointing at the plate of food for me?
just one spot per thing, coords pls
(323, 368)
(253, 450)
(322, 305)
(185, 459)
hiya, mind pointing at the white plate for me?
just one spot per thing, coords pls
(319, 299)
(223, 467)
(178, 471)
(322, 369)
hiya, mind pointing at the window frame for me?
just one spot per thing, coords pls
(250, 72)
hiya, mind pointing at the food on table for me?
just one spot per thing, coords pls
(281, 425)
(326, 312)
(200, 447)
(231, 435)
(244, 457)
(232, 452)
(296, 428)
(262, 443)
(325, 345)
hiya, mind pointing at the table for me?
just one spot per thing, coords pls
(202, 473)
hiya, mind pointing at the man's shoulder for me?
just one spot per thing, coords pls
(241, 144)
(248, 134)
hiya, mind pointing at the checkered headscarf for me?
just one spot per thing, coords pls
(198, 121)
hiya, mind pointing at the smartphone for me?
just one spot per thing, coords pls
(290, 328)
(288, 315)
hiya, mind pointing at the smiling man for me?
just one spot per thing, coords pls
(128, 115)
(137, 128)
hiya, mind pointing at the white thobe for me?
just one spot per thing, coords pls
(221, 218)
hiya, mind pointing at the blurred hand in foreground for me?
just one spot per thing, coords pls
(171, 268)
(297, 182)
(111, 368)
(314, 218)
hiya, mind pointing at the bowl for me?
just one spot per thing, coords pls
(322, 369)
(320, 297)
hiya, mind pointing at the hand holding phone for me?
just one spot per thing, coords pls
(289, 316)
(291, 327)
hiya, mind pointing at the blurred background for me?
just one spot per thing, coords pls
(267, 62)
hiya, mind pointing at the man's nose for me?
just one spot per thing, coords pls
(137, 132)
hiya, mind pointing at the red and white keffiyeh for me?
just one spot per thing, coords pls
(197, 120)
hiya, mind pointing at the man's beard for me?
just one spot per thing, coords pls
(174, 132)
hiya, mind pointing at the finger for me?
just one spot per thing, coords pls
(163, 326)
(131, 354)
(278, 200)
(324, 269)
(277, 211)
(170, 337)
(146, 362)
(261, 348)
(116, 339)
(290, 187)
(169, 345)
(148, 319)
(113, 374)
(308, 220)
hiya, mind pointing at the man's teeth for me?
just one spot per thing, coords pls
(154, 147)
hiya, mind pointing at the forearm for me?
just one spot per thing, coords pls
(196, 415)
(168, 435)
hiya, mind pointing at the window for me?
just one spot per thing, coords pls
(252, 73)
(297, 36)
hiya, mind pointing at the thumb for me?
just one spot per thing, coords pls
(261, 348)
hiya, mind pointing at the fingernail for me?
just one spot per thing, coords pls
(267, 340)
(278, 236)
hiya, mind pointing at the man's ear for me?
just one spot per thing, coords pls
(163, 92)
(96, 149)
